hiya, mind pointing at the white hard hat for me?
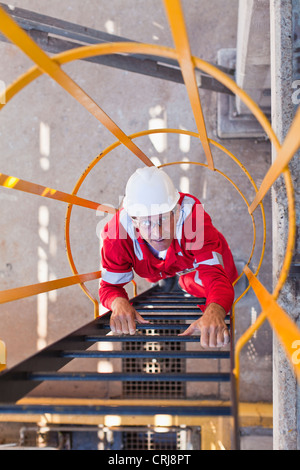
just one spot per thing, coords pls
(149, 191)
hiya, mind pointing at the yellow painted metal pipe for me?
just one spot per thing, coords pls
(13, 182)
(17, 293)
(180, 37)
(3, 360)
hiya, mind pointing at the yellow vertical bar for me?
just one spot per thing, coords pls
(13, 32)
(2, 355)
(180, 37)
(134, 288)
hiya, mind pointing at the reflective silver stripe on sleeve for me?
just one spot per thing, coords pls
(116, 278)
(197, 279)
(128, 226)
(216, 259)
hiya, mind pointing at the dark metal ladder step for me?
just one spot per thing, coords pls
(169, 308)
(157, 326)
(128, 377)
(147, 354)
(120, 410)
(142, 338)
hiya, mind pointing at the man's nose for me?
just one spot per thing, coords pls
(157, 231)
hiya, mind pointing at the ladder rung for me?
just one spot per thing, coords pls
(156, 316)
(159, 326)
(181, 310)
(142, 338)
(129, 377)
(156, 326)
(163, 301)
(126, 410)
(158, 292)
(148, 354)
(172, 296)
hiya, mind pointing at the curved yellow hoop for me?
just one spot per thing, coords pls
(141, 48)
(111, 48)
(155, 131)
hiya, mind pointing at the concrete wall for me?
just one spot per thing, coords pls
(285, 41)
(268, 56)
(253, 53)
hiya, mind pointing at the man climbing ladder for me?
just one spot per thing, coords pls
(160, 233)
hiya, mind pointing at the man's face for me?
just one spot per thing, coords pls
(157, 230)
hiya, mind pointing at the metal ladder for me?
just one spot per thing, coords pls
(153, 305)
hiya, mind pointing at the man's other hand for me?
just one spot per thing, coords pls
(124, 317)
(211, 326)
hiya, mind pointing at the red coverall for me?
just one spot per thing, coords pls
(198, 253)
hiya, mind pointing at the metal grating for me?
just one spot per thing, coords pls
(155, 389)
(149, 440)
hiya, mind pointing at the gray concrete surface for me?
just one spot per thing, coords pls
(256, 439)
(48, 138)
(285, 42)
(253, 53)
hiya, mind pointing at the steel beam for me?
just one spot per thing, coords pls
(201, 354)
(127, 377)
(41, 27)
(124, 410)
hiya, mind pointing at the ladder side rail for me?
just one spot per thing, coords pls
(50, 359)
